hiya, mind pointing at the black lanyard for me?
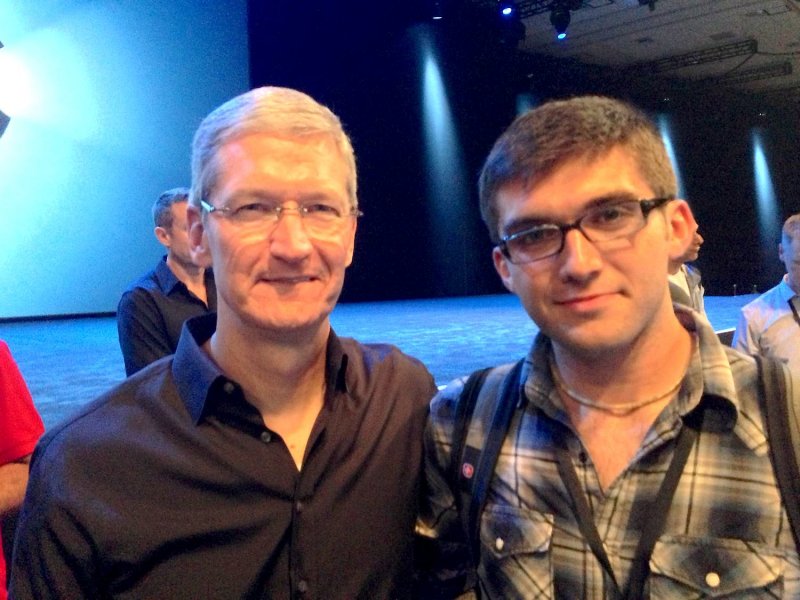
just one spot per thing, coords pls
(653, 527)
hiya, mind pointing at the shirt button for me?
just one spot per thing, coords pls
(499, 543)
(228, 388)
(266, 437)
(302, 586)
(298, 506)
(712, 579)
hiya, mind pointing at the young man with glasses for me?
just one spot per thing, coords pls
(269, 458)
(626, 410)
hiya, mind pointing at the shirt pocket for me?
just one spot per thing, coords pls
(515, 553)
(688, 567)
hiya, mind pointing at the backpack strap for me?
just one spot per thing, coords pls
(783, 433)
(473, 466)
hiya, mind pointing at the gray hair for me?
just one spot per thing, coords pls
(162, 213)
(538, 142)
(270, 110)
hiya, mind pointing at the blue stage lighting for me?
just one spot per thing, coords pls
(507, 9)
(560, 18)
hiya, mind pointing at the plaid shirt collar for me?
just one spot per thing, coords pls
(709, 378)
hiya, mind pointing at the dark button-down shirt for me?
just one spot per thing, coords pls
(151, 313)
(170, 486)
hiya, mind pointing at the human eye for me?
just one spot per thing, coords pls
(254, 211)
(322, 210)
(539, 235)
(610, 216)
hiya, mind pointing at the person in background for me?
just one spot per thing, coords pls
(20, 429)
(635, 463)
(770, 324)
(685, 284)
(153, 309)
(269, 458)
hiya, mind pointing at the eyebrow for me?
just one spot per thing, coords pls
(256, 195)
(526, 222)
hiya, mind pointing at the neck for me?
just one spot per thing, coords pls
(793, 285)
(192, 276)
(626, 377)
(279, 373)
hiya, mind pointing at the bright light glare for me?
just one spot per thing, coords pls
(18, 93)
(561, 36)
(507, 11)
(767, 204)
(666, 137)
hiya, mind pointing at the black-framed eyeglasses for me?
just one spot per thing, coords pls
(319, 218)
(603, 223)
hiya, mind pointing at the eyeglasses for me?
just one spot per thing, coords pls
(319, 218)
(602, 223)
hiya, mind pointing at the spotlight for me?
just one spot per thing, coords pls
(560, 17)
(436, 11)
(507, 9)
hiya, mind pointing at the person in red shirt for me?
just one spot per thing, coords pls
(20, 429)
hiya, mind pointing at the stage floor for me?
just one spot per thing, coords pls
(68, 362)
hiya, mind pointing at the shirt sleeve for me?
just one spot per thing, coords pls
(444, 565)
(53, 555)
(143, 338)
(20, 425)
(743, 338)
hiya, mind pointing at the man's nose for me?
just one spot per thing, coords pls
(579, 257)
(289, 238)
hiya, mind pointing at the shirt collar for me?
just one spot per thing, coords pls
(165, 277)
(198, 378)
(785, 291)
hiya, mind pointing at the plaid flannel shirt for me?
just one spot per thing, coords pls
(726, 534)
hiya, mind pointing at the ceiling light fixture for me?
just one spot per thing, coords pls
(507, 8)
(560, 18)
(560, 15)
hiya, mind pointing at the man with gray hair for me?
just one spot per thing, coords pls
(770, 324)
(151, 312)
(626, 455)
(269, 458)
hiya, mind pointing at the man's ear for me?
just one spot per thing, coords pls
(501, 265)
(681, 226)
(198, 238)
(780, 251)
(162, 235)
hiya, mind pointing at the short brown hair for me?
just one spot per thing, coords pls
(541, 140)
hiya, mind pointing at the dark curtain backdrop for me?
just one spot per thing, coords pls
(365, 61)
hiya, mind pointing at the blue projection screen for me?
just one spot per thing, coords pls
(103, 98)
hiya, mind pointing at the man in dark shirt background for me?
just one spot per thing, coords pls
(268, 458)
(153, 309)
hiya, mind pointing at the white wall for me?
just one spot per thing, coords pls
(104, 97)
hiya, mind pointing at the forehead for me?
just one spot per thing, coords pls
(265, 161)
(574, 185)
